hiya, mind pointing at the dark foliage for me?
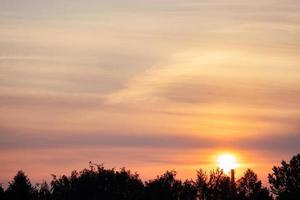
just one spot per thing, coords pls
(98, 183)
(44, 192)
(285, 180)
(20, 188)
(163, 187)
(215, 186)
(250, 188)
(188, 190)
(1, 193)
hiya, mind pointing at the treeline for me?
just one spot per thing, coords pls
(98, 183)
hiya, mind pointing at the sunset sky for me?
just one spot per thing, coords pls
(152, 85)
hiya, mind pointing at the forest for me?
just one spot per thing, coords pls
(99, 183)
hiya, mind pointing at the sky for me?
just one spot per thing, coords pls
(149, 85)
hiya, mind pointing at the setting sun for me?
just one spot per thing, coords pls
(227, 162)
(149, 99)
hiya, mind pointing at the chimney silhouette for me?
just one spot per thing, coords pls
(232, 176)
(232, 182)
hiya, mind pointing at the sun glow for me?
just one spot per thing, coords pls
(227, 162)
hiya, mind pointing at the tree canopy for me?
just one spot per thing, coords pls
(285, 179)
(20, 188)
(250, 188)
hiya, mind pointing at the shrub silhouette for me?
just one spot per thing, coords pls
(285, 179)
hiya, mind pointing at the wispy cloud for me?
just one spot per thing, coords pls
(180, 77)
(25, 139)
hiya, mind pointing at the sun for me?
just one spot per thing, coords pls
(227, 162)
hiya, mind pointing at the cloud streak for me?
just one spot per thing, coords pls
(175, 80)
(13, 140)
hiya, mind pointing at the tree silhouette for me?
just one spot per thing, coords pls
(164, 187)
(20, 188)
(98, 183)
(44, 192)
(250, 188)
(219, 186)
(201, 184)
(1, 193)
(188, 190)
(285, 179)
(216, 186)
